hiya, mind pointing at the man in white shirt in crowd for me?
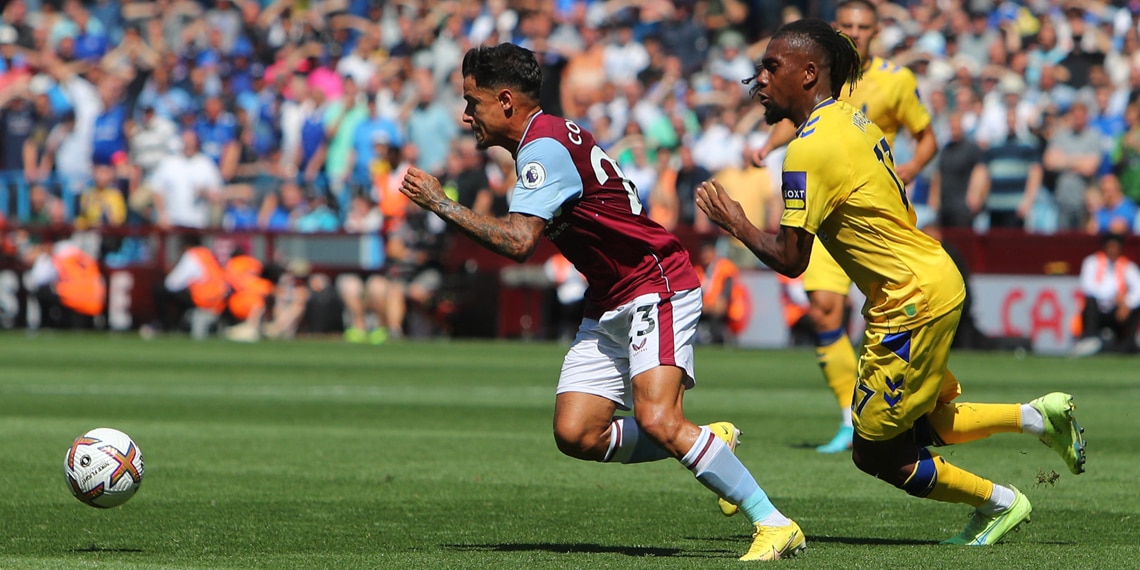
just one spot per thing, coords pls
(186, 186)
(1110, 283)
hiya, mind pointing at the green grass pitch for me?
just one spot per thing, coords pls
(320, 454)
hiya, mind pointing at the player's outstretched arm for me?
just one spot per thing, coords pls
(787, 251)
(514, 236)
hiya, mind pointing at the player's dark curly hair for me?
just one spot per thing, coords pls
(504, 65)
(837, 51)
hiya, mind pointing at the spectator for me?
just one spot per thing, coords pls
(1126, 154)
(319, 217)
(413, 273)
(624, 57)
(72, 148)
(363, 216)
(313, 148)
(17, 120)
(639, 168)
(132, 57)
(362, 62)
(795, 302)
(341, 120)
(103, 204)
(186, 186)
(1006, 181)
(167, 100)
(291, 292)
(197, 282)
(387, 173)
(956, 163)
(360, 297)
(91, 41)
(662, 205)
(683, 37)
(584, 75)
(467, 176)
(239, 215)
(431, 126)
(44, 119)
(752, 187)
(364, 141)
(41, 205)
(1087, 44)
(1074, 155)
(67, 283)
(15, 14)
(1110, 284)
(725, 300)
(246, 276)
(731, 63)
(280, 210)
(1115, 213)
(677, 186)
(217, 136)
(151, 138)
(719, 147)
(568, 298)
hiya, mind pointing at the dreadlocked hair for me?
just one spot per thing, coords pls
(837, 50)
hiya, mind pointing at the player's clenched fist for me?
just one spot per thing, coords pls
(422, 188)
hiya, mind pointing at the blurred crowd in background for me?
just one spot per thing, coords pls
(302, 115)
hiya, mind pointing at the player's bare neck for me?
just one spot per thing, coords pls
(520, 131)
(801, 114)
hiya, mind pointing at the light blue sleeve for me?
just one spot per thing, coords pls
(547, 179)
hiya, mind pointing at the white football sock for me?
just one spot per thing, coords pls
(1001, 499)
(1031, 420)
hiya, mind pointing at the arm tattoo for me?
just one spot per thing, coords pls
(513, 237)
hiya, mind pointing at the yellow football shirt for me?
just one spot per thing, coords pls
(888, 95)
(839, 184)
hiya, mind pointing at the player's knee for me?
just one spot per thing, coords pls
(349, 285)
(376, 287)
(576, 442)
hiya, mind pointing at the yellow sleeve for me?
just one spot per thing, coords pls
(813, 182)
(912, 114)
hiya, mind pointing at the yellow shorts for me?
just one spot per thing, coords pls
(824, 274)
(902, 376)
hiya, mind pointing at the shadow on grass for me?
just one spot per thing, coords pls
(851, 540)
(97, 548)
(862, 540)
(586, 548)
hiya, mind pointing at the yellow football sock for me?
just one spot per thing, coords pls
(954, 485)
(959, 423)
(837, 361)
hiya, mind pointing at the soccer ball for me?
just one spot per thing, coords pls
(103, 468)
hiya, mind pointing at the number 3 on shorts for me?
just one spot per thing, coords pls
(644, 319)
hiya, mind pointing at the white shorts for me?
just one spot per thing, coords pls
(650, 331)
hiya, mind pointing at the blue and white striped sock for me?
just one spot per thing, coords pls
(717, 468)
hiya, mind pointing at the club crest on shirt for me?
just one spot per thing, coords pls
(533, 175)
(795, 190)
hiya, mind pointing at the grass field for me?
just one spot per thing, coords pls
(319, 454)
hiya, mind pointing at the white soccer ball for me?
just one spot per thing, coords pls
(103, 468)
